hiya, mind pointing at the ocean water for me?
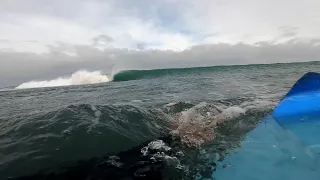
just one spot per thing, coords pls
(131, 125)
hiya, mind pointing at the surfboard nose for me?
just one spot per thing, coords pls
(303, 99)
(299, 111)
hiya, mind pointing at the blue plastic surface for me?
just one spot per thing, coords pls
(307, 83)
(302, 100)
(269, 153)
(299, 111)
(285, 145)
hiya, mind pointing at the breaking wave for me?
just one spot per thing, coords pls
(127, 75)
(78, 78)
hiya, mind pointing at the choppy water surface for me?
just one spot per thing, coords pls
(134, 127)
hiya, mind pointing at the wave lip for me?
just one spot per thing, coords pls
(128, 75)
(80, 77)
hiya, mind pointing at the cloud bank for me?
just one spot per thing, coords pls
(19, 67)
(43, 39)
(159, 24)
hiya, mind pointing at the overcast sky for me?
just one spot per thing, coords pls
(42, 39)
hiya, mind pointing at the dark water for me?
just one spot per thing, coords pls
(122, 129)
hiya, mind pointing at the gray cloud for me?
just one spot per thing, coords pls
(3, 40)
(140, 46)
(18, 67)
(102, 39)
(288, 31)
(289, 34)
(44, 39)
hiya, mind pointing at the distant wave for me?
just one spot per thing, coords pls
(77, 78)
(127, 75)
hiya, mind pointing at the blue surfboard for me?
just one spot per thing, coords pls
(286, 144)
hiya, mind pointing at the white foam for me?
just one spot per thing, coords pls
(258, 105)
(114, 161)
(199, 114)
(78, 78)
(136, 101)
(159, 153)
(231, 112)
(170, 104)
(197, 124)
(158, 145)
(97, 113)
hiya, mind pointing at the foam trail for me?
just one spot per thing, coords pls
(77, 78)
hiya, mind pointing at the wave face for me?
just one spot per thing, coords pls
(78, 78)
(127, 75)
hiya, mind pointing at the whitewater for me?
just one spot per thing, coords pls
(80, 77)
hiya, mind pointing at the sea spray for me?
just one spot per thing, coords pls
(78, 78)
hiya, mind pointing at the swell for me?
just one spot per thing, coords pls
(127, 75)
(75, 132)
